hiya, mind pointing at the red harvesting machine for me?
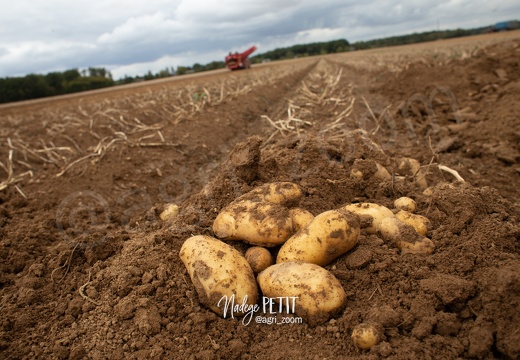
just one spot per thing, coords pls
(238, 61)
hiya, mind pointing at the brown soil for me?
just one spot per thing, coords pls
(89, 270)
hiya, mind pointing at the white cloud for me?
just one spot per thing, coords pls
(146, 28)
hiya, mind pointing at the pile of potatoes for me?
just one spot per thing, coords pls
(265, 218)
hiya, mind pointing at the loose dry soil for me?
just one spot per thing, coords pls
(89, 270)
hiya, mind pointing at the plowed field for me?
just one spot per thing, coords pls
(89, 270)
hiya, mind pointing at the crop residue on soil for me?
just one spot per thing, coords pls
(89, 270)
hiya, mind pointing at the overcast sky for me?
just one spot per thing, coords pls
(131, 37)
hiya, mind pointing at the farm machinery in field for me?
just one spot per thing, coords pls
(238, 61)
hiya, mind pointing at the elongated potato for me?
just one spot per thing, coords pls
(300, 218)
(320, 295)
(420, 223)
(328, 235)
(370, 214)
(219, 272)
(405, 237)
(281, 193)
(257, 223)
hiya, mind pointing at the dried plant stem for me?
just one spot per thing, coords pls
(81, 291)
(452, 172)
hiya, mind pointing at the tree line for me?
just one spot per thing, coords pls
(34, 86)
(417, 38)
(302, 50)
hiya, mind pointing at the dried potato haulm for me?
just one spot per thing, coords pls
(320, 295)
(218, 270)
(328, 236)
(259, 217)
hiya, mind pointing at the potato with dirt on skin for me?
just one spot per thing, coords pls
(370, 215)
(366, 335)
(170, 211)
(363, 169)
(256, 223)
(318, 294)
(413, 168)
(300, 218)
(260, 216)
(328, 236)
(218, 272)
(259, 258)
(405, 237)
(405, 203)
(281, 193)
(420, 223)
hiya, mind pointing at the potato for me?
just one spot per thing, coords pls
(382, 173)
(259, 258)
(370, 214)
(428, 191)
(405, 203)
(365, 169)
(327, 236)
(420, 223)
(366, 335)
(300, 218)
(257, 223)
(281, 193)
(170, 211)
(405, 237)
(320, 295)
(219, 273)
(413, 168)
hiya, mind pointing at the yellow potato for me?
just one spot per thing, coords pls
(413, 168)
(420, 223)
(405, 203)
(366, 335)
(170, 211)
(320, 295)
(365, 169)
(300, 218)
(327, 236)
(370, 214)
(282, 193)
(259, 258)
(219, 273)
(428, 191)
(405, 237)
(257, 223)
(382, 173)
